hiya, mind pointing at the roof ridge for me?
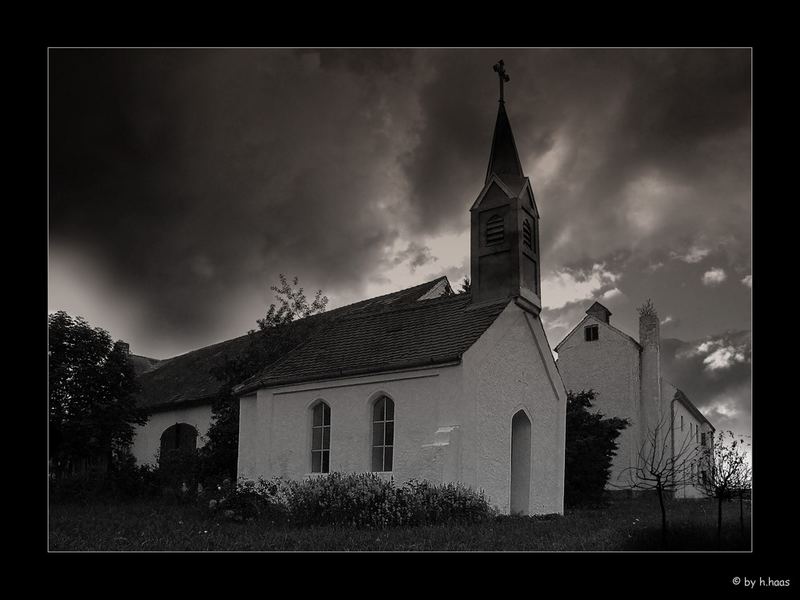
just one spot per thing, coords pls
(416, 305)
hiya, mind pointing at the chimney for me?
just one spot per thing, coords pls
(650, 382)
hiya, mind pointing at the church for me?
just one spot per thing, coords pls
(421, 383)
(626, 375)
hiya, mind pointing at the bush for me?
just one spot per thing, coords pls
(264, 500)
(355, 500)
(122, 481)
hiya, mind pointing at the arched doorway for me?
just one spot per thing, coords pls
(520, 463)
(180, 436)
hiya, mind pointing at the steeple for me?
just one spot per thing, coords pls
(503, 159)
(504, 260)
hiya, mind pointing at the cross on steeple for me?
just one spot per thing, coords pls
(500, 69)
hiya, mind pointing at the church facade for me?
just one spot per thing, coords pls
(626, 375)
(422, 383)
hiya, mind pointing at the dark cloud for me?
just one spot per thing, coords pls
(192, 178)
(716, 374)
(415, 255)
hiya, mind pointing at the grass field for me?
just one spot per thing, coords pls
(625, 524)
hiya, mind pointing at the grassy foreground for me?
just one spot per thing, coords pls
(625, 524)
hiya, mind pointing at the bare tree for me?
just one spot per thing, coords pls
(729, 474)
(663, 464)
(743, 485)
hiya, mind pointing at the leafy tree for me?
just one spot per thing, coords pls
(274, 338)
(729, 474)
(292, 305)
(91, 384)
(590, 447)
(466, 286)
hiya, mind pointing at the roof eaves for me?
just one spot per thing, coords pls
(681, 397)
(344, 373)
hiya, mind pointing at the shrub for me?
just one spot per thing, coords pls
(122, 481)
(251, 500)
(355, 500)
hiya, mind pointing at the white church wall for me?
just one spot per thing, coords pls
(505, 371)
(275, 426)
(147, 437)
(610, 366)
(451, 423)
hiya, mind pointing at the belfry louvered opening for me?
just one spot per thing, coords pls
(527, 237)
(494, 230)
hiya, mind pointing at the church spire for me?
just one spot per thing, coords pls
(503, 159)
(504, 223)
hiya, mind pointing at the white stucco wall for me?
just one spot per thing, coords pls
(451, 423)
(610, 365)
(275, 425)
(511, 368)
(147, 437)
(688, 438)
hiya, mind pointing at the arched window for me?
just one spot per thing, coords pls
(180, 436)
(382, 434)
(320, 438)
(494, 230)
(527, 235)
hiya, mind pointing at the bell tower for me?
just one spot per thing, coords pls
(504, 220)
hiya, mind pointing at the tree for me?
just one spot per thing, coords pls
(590, 448)
(91, 385)
(729, 475)
(285, 325)
(466, 286)
(292, 305)
(662, 464)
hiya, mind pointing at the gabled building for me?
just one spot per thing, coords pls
(626, 374)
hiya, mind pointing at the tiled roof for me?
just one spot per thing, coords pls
(423, 333)
(188, 379)
(142, 364)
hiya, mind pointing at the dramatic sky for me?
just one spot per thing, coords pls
(182, 182)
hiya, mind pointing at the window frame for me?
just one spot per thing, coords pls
(324, 449)
(386, 423)
(594, 329)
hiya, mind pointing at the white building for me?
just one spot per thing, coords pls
(626, 374)
(421, 384)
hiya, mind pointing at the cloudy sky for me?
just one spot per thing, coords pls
(183, 181)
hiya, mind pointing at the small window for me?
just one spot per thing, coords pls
(321, 438)
(527, 237)
(681, 422)
(591, 333)
(703, 477)
(702, 439)
(495, 230)
(382, 434)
